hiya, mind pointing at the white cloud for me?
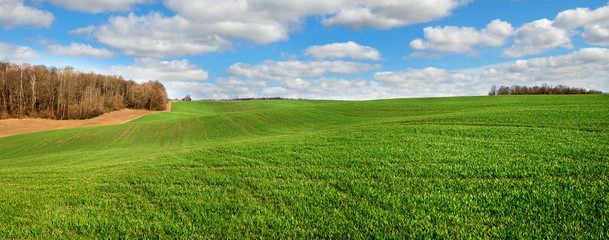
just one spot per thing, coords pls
(83, 31)
(324, 88)
(423, 55)
(81, 50)
(17, 54)
(205, 26)
(145, 69)
(587, 67)
(202, 26)
(277, 71)
(537, 37)
(390, 14)
(352, 13)
(595, 23)
(97, 6)
(262, 21)
(580, 17)
(343, 50)
(319, 88)
(197, 90)
(414, 78)
(13, 13)
(294, 79)
(157, 36)
(597, 35)
(462, 40)
(542, 35)
(426, 82)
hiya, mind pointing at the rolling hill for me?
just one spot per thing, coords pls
(492, 166)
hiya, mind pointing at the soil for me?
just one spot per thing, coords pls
(17, 126)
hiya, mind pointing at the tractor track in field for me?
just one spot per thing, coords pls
(236, 124)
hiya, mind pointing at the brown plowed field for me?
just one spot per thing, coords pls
(17, 126)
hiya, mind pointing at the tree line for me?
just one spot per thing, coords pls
(49, 92)
(539, 90)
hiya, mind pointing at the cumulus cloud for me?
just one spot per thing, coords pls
(294, 79)
(580, 17)
(588, 67)
(202, 26)
(390, 14)
(145, 69)
(352, 13)
(542, 35)
(83, 31)
(81, 50)
(324, 88)
(17, 54)
(197, 90)
(157, 36)
(414, 78)
(425, 82)
(277, 71)
(97, 6)
(462, 39)
(595, 23)
(13, 13)
(318, 88)
(537, 37)
(343, 50)
(584, 68)
(423, 55)
(597, 35)
(261, 21)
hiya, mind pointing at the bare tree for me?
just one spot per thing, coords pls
(38, 91)
(33, 82)
(544, 89)
(493, 91)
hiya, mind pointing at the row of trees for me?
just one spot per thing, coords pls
(43, 92)
(537, 90)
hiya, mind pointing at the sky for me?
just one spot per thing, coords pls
(317, 49)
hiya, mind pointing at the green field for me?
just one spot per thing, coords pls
(489, 167)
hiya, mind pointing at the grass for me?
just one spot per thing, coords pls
(467, 167)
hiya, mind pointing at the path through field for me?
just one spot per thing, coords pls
(17, 126)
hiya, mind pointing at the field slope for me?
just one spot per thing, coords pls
(491, 167)
(18, 126)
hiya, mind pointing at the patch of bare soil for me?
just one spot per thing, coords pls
(17, 126)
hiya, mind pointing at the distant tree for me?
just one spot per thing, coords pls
(503, 90)
(493, 91)
(187, 98)
(543, 89)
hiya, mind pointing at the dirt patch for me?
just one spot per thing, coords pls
(17, 126)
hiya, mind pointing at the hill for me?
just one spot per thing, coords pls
(493, 166)
(18, 126)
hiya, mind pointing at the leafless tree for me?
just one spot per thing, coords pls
(543, 89)
(38, 91)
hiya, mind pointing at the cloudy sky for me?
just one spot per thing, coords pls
(318, 49)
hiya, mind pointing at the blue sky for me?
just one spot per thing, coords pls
(319, 49)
